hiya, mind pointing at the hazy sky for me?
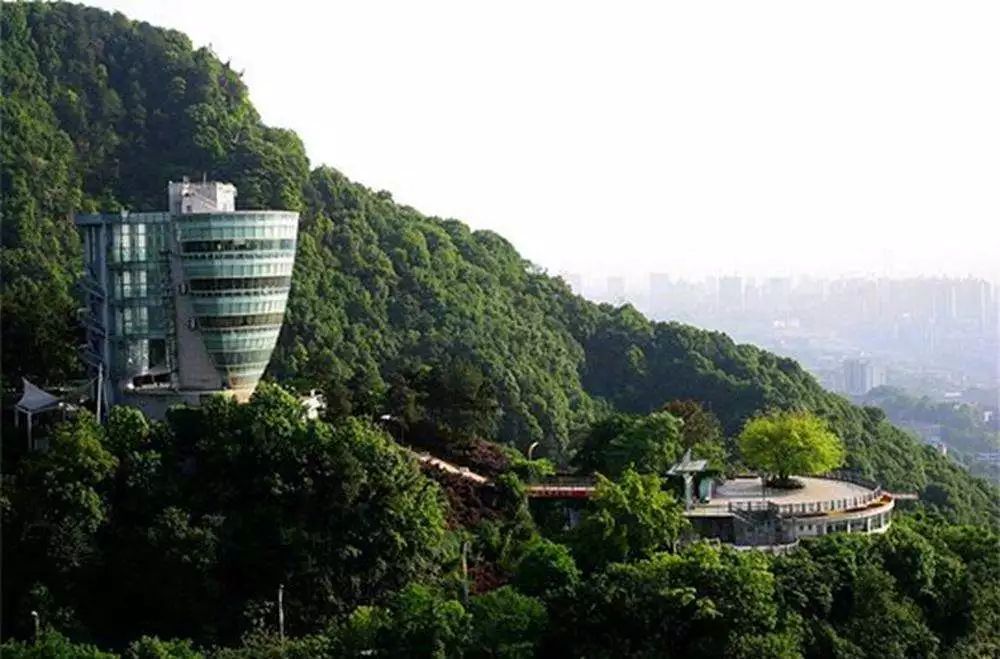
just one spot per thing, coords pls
(689, 138)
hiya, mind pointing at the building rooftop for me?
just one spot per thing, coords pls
(819, 495)
(816, 489)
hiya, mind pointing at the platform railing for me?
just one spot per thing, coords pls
(806, 507)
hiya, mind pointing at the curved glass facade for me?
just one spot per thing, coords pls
(237, 267)
(184, 303)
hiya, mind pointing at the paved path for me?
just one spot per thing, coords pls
(550, 491)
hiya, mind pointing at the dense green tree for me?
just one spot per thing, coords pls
(506, 623)
(52, 644)
(627, 520)
(150, 647)
(700, 603)
(547, 570)
(52, 527)
(648, 444)
(785, 443)
(379, 290)
(185, 529)
(701, 432)
(422, 623)
(200, 521)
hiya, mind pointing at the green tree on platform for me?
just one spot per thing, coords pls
(785, 443)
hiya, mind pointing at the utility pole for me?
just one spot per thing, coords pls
(100, 389)
(465, 572)
(281, 612)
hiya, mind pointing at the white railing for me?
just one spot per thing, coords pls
(805, 507)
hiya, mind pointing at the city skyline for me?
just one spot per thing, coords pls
(933, 335)
(597, 285)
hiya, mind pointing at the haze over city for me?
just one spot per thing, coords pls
(766, 139)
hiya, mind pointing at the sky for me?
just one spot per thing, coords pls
(623, 138)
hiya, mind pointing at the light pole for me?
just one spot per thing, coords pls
(281, 612)
(531, 449)
(34, 615)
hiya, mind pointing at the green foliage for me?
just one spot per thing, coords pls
(701, 432)
(506, 624)
(962, 426)
(390, 311)
(51, 644)
(530, 471)
(150, 647)
(699, 603)
(928, 596)
(785, 443)
(547, 570)
(52, 528)
(240, 499)
(185, 529)
(648, 444)
(423, 624)
(627, 520)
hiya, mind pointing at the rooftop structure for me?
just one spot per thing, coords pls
(741, 511)
(188, 302)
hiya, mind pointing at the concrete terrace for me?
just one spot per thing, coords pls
(816, 489)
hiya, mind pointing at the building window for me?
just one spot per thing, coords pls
(239, 283)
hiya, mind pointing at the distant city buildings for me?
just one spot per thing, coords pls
(616, 290)
(731, 295)
(931, 335)
(861, 376)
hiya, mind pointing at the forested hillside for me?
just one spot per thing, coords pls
(391, 311)
(174, 538)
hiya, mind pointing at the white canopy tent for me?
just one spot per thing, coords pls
(35, 400)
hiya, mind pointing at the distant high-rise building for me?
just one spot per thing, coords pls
(972, 300)
(775, 297)
(731, 295)
(659, 291)
(752, 298)
(861, 376)
(616, 290)
(187, 302)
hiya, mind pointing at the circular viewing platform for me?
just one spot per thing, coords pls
(743, 511)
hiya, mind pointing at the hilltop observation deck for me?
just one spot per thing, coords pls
(739, 511)
(742, 512)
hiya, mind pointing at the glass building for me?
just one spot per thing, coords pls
(187, 302)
